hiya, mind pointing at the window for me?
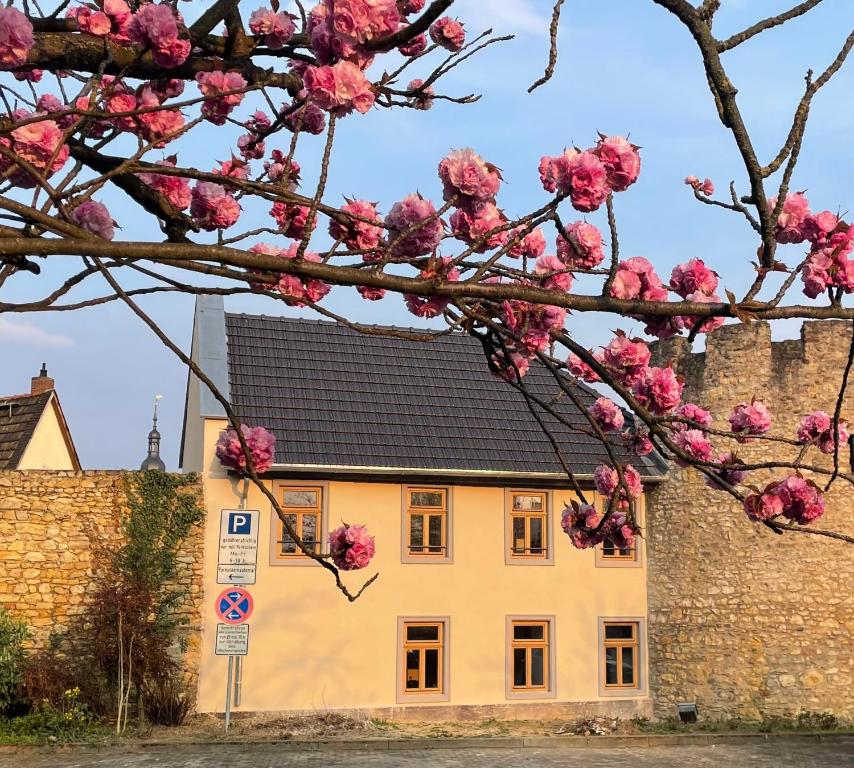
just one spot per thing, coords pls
(609, 556)
(623, 553)
(527, 528)
(422, 660)
(621, 655)
(426, 525)
(530, 657)
(303, 506)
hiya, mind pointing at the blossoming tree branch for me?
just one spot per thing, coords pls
(99, 100)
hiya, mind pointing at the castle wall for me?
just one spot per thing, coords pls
(743, 621)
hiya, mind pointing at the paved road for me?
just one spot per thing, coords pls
(836, 754)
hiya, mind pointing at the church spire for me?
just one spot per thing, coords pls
(153, 460)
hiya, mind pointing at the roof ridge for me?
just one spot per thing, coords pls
(337, 324)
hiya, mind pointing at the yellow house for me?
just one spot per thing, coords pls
(482, 607)
(33, 430)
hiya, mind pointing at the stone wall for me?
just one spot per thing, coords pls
(56, 530)
(743, 621)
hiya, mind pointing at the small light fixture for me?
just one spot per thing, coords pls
(687, 711)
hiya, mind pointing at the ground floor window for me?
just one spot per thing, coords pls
(423, 659)
(530, 657)
(621, 657)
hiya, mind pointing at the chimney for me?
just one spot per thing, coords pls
(42, 382)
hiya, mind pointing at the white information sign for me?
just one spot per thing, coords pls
(238, 546)
(232, 639)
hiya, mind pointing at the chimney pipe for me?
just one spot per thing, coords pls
(42, 382)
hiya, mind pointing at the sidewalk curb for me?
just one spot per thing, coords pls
(479, 742)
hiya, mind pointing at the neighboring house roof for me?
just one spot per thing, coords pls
(335, 397)
(19, 417)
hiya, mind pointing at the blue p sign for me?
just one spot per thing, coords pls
(239, 524)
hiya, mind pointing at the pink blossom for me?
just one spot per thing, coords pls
(694, 443)
(828, 264)
(707, 324)
(175, 189)
(370, 294)
(803, 502)
(606, 480)
(339, 88)
(817, 428)
(160, 126)
(28, 75)
(695, 413)
(16, 38)
(659, 390)
(607, 414)
(705, 187)
(764, 506)
(356, 234)
(727, 471)
(351, 547)
(213, 85)
(280, 169)
(39, 144)
(409, 213)
(817, 227)
(213, 207)
(621, 160)
(250, 146)
(638, 441)
(276, 28)
(636, 279)
(441, 268)
(580, 522)
(750, 419)
(693, 276)
(307, 117)
(619, 531)
(154, 27)
(476, 226)
(466, 176)
(422, 97)
(792, 218)
(292, 218)
(408, 7)
(297, 291)
(337, 28)
(259, 441)
(507, 369)
(234, 169)
(89, 21)
(583, 250)
(95, 218)
(415, 47)
(554, 273)
(627, 358)
(577, 367)
(448, 33)
(554, 171)
(532, 245)
(587, 182)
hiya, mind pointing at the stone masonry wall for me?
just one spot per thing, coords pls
(56, 529)
(743, 621)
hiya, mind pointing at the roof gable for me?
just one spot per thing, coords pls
(19, 416)
(335, 397)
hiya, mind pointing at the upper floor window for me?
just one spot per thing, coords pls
(303, 509)
(528, 527)
(426, 524)
(608, 555)
(621, 643)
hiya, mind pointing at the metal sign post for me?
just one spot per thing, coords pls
(233, 607)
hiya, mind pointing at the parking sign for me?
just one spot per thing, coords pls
(238, 546)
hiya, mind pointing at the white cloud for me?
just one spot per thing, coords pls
(30, 335)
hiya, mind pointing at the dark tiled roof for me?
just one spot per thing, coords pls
(19, 416)
(336, 397)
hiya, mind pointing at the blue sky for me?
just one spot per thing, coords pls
(626, 66)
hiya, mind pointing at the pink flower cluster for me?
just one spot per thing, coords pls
(175, 189)
(727, 471)
(588, 177)
(506, 365)
(154, 27)
(358, 234)
(39, 144)
(693, 277)
(351, 547)
(660, 390)
(694, 443)
(448, 33)
(276, 28)
(583, 249)
(292, 218)
(553, 273)
(212, 206)
(607, 414)
(628, 359)
(577, 367)
(468, 177)
(282, 170)
(259, 441)
(158, 126)
(796, 498)
(750, 419)
(95, 218)
(339, 88)
(606, 481)
(111, 21)
(638, 441)
(531, 246)
(440, 268)
(705, 187)
(339, 28)
(636, 279)
(16, 38)
(476, 224)
(584, 526)
(533, 323)
(307, 117)
(296, 291)
(817, 429)
(695, 413)
(422, 97)
(217, 87)
(419, 215)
